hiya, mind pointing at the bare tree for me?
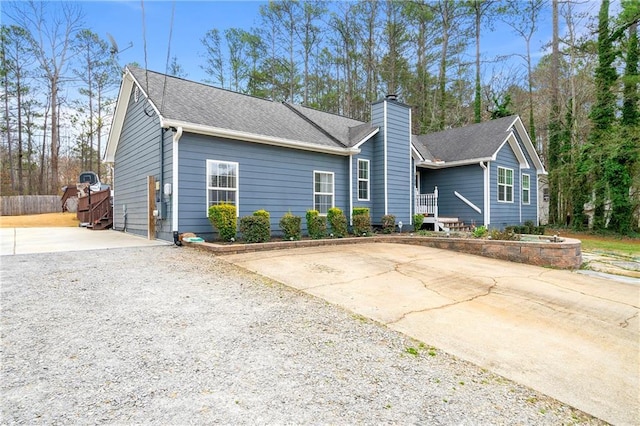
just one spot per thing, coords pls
(53, 27)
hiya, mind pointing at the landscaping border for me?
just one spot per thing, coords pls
(566, 254)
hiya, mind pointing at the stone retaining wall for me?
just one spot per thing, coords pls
(561, 255)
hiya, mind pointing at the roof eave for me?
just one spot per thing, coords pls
(366, 138)
(446, 164)
(252, 137)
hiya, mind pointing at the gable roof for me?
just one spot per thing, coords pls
(475, 143)
(204, 109)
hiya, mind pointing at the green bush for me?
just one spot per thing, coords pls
(507, 235)
(388, 223)
(262, 213)
(255, 229)
(362, 224)
(480, 232)
(417, 221)
(291, 226)
(316, 225)
(338, 222)
(223, 218)
(360, 210)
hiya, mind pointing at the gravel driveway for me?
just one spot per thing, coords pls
(164, 335)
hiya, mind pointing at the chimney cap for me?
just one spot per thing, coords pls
(392, 97)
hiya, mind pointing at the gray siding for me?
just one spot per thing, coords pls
(399, 170)
(138, 156)
(468, 181)
(275, 179)
(366, 153)
(502, 213)
(529, 211)
(377, 204)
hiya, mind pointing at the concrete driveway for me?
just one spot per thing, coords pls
(571, 336)
(49, 240)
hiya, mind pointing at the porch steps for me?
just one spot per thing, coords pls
(447, 224)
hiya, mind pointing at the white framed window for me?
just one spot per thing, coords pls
(363, 180)
(222, 183)
(323, 191)
(505, 185)
(526, 189)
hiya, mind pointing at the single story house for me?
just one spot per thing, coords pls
(177, 147)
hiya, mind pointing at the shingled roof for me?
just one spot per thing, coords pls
(199, 104)
(476, 141)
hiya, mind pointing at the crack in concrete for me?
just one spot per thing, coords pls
(625, 323)
(470, 299)
(540, 278)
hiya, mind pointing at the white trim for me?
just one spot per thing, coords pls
(252, 137)
(486, 191)
(333, 190)
(467, 202)
(528, 189)
(412, 174)
(444, 165)
(175, 205)
(515, 148)
(506, 185)
(528, 145)
(366, 138)
(386, 130)
(368, 179)
(236, 189)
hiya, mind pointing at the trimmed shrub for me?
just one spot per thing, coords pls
(255, 229)
(417, 221)
(223, 218)
(316, 225)
(506, 235)
(338, 222)
(291, 226)
(262, 213)
(360, 210)
(480, 232)
(388, 223)
(362, 225)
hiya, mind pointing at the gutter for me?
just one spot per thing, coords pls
(252, 137)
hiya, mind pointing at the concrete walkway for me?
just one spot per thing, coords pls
(573, 337)
(49, 240)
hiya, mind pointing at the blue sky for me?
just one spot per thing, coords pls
(191, 20)
(123, 19)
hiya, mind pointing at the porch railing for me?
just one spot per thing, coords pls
(427, 204)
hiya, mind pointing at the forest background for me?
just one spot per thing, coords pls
(577, 93)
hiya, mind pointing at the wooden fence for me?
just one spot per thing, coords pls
(29, 204)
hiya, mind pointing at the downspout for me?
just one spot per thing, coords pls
(174, 191)
(520, 192)
(350, 190)
(384, 141)
(161, 209)
(487, 195)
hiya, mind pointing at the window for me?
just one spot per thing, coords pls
(505, 185)
(526, 189)
(363, 180)
(322, 191)
(545, 195)
(222, 183)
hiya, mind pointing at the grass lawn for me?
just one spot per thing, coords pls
(47, 220)
(625, 246)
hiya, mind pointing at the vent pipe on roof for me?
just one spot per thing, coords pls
(391, 97)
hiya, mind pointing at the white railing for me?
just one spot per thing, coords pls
(427, 204)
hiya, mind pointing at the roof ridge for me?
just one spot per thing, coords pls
(313, 123)
(210, 86)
